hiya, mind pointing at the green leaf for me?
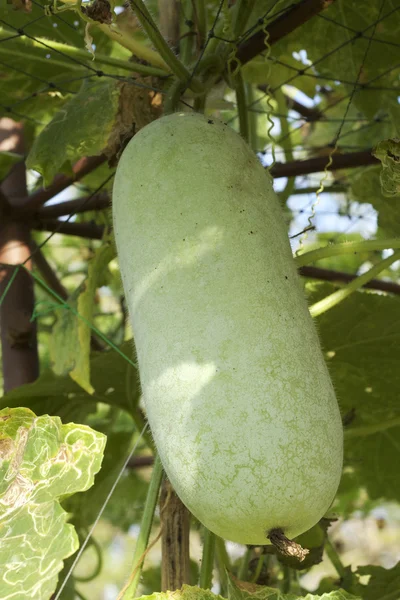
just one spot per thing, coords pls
(126, 504)
(151, 578)
(241, 590)
(350, 263)
(361, 341)
(384, 584)
(388, 152)
(40, 460)
(366, 187)
(81, 128)
(85, 507)
(7, 161)
(65, 352)
(28, 65)
(114, 380)
(186, 593)
(70, 341)
(329, 38)
(261, 71)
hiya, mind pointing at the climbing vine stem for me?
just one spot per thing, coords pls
(207, 562)
(241, 105)
(145, 527)
(346, 248)
(333, 299)
(161, 45)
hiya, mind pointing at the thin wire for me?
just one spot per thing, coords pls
(72, 214)
(338, 134)
(210, 35)
(58, 17)
(9, 109)
(107, 499)
(22, 32)
(63, 304)
(49, 85)
(40, 18)
(364, 87)
(353, 91)
(260, 21)
(54, 86)
(322, 58)
(11, 37)
(378, 40)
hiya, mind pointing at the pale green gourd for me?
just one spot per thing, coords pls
(236, 390)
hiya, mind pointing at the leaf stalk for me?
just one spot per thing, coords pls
(129, 591)
(345, 248)
(161, 45)
(207, 562)
(333, 299)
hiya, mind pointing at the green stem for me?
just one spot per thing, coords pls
(79, 594)
(63, 304)
(252, 117)
(286, 580)
(73, 52)
(223, 563)
(161, 45)
(137, 48)
(258, 570)
(65, 64)
(333, 299)
(201, 14)
(207, 561)
(140, 423)
(345, 248)
(173, 97)
(199, 104)
(244, 565)
(213, 43)
(241, 106)
(145, 527)
(99, 555)
(335, 559)
(391, 596)
(286, 144)
(243, 10)
(364, 430)
(186, 41)
(221, 31)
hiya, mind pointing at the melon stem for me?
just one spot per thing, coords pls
(285, 546)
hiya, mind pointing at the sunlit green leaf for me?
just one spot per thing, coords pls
(40, 460)
(81, 128)
(70, 342)
(388, 152)
(115, 382)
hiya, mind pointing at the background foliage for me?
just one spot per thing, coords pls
(328, 89)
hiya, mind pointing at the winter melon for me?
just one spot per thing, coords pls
(236, 390)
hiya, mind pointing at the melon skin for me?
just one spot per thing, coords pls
(236, 390)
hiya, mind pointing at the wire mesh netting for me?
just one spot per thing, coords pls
(312, 86)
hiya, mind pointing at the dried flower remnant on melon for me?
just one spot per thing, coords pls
(137, 107)
(286, 546)
(100, 11)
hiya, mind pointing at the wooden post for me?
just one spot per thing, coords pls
(175, 524)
